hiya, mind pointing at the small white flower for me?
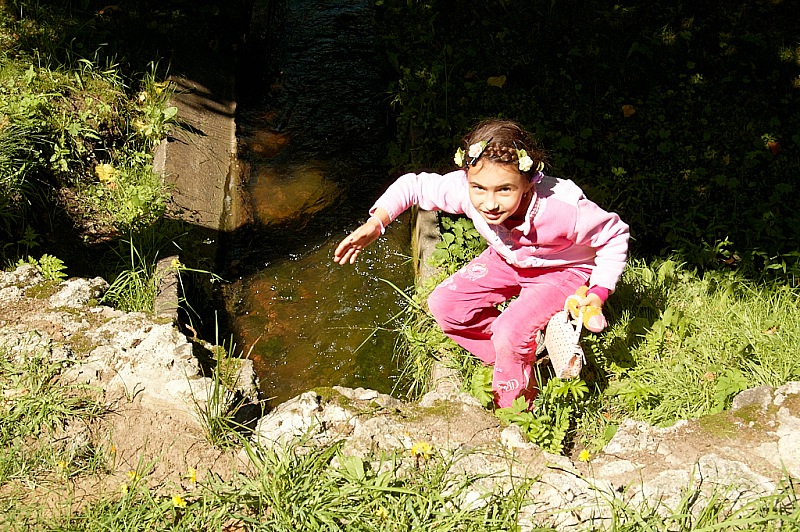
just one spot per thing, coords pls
(476, 149)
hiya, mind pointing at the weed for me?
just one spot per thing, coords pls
(549, 420)
(460, 243)
(218, 413)
(34, 408)
(698, 169)
(52, 268)
(720, 508)
(135, 288)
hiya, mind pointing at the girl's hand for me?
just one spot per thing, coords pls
(592, 307)
(591, 300)
(349, 248)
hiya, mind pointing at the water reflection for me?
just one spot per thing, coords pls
(311, 152)
(282, 195)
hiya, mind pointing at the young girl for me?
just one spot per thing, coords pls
(545, 241)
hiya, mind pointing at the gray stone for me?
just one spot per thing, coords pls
(76, 293)
(632, 437)
(292, 420)
(760, 397)
(790, 388)
(24, 276)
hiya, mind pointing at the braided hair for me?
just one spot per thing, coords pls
(505, 138)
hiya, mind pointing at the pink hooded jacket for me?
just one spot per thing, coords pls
(562, 228)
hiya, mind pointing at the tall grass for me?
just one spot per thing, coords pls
(136, 286)
(719, 509)
(683, 344)
(322, 489)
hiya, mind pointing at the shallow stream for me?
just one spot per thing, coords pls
(312, 149)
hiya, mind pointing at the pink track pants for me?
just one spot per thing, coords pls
(465, 307)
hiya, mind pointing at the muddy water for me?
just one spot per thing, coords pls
(312, 146)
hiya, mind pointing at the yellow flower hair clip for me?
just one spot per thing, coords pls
(525, 162)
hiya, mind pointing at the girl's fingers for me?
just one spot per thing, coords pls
(349, 248)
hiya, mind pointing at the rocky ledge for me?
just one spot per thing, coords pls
(152, 382)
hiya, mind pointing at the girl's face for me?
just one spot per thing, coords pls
(498, 191)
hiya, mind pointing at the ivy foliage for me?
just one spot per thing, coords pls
(682, 117)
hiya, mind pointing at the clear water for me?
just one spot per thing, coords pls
(312, 147)
(306, 321)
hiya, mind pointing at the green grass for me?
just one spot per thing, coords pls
(79, 124)
(218, 413)
(320, 489)
(35, 408)
(699, 510)
(300, 489)
(681, 344)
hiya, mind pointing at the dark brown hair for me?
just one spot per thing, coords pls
(506, 137)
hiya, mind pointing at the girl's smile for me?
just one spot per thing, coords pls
(498, 191)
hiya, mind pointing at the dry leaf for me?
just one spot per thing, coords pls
(628, 110)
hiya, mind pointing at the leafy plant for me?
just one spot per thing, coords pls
(52, 268)
(479, 384)
(548, 421)
(460, 243)
(699, 170)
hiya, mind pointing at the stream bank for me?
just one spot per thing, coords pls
(146, 373)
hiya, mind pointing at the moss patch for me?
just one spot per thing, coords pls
(720, 425)
(42, 290)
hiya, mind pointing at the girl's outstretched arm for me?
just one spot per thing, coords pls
(349, 248)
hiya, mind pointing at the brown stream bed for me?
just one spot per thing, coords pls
(312, 146)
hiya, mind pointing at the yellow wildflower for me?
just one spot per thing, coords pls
(191, 475)
(133, 476)
(382, 513)
(62, 465)
(584, 456)
(123, 488)
(105, 172)
(421, 448)
(176, 263)
(178, 501)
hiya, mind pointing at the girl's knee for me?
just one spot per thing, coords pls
(514, 345)
(441, 303)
